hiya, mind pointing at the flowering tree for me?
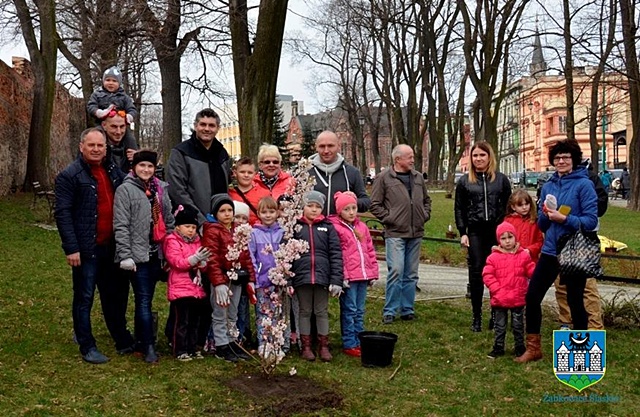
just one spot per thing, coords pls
(275, 323)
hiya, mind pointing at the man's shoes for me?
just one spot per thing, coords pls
(225, 352)
(408, 317)
(565, 326)
(355, 352)
(150, 355)
(496, 353)
(239, 352)
(95, 357)
(387, 319)
(126, 351)
(197, 355)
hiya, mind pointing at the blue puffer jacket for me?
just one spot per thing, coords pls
(322, 264)
(76, 205)
(576, 191)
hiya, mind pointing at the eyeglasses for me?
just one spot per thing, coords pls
(562, 158)
(270, 162)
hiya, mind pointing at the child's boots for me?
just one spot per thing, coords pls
(323, 350)
(307, 353)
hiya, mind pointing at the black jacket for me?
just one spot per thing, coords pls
(481, 202)
(77, 204)
(322, 264)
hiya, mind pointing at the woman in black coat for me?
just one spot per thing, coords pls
(480, 205)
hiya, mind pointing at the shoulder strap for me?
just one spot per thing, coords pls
(241, 194)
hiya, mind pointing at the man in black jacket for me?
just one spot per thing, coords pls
(200, 166)
(84, 216)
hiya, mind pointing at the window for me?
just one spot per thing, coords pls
(562, 124)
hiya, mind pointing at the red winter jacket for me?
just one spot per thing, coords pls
(358, 256)
(279, 188)
(507, 277)
(177, 252)
(528, 234)
(218, 238)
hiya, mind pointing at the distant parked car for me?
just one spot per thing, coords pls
(542, 178)
(457, 176)
(515, 178)
(531, 179)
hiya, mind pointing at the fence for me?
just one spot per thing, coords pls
(377, 234)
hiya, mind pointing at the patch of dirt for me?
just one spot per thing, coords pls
(283, 395)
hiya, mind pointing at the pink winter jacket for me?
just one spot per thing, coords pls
(507, 277)
(358, 256)
(176, 253)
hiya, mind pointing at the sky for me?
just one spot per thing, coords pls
(291, 77)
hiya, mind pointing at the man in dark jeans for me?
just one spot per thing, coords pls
(84, 216)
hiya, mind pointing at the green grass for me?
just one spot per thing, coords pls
(443, 366)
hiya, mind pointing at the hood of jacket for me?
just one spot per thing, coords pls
(328, 169)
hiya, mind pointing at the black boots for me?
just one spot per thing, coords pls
(150, 355)
(476, 325)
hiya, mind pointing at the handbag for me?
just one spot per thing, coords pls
(579, 256)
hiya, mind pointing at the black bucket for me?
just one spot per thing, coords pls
(377, 348)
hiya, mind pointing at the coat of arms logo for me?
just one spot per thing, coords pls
(579, 357)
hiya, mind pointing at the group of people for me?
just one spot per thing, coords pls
(513, 250)
(121, 227)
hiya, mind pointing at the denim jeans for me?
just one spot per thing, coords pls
(100, 271)
(352, 313)
(143, 282)
(403, 258)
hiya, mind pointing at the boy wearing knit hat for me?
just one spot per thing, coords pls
(111, 100)
(318, 273)
(506, 274)
(217, 236)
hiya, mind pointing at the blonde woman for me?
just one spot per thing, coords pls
(481, 201)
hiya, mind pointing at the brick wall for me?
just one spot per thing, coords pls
(15, 117)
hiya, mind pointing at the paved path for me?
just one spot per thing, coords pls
(437, 281)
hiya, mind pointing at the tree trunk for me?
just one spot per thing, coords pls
(171, 103)
(629, 31)
(43, 61)
(256, 72)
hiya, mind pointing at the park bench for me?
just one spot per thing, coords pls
(39, 193)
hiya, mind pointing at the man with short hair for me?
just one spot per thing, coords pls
(84, 216)
(121, 146)
(400, 201)
(200, 166)
(334, 174)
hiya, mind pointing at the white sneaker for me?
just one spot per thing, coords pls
(184, 357)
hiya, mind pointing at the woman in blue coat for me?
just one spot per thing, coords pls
(575, 207)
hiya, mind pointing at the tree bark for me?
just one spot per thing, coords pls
(629, 33)
(256, 71)
(43, 57)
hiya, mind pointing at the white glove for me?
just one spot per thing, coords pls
(129, 119)
(101, 114)
(222, 295)
(128, 264)
(335, 290)
(345, 284)
(551, 202)
(202, 254)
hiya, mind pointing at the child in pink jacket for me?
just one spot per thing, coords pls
(360, 268)
(185, 257)
(507, 274)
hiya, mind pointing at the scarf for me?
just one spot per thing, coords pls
(327, 168)
(269, 182)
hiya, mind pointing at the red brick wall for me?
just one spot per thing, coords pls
(15, 118)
